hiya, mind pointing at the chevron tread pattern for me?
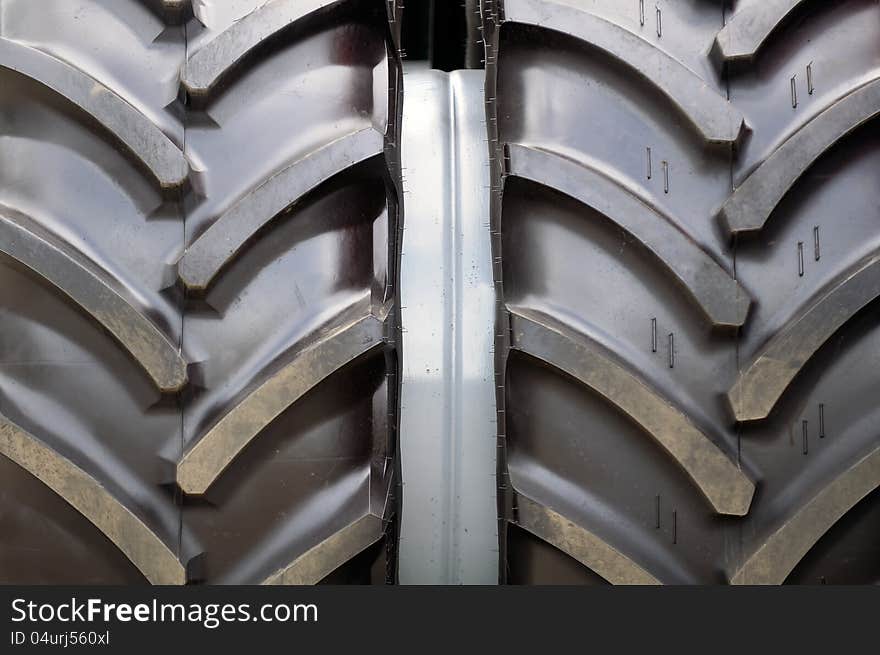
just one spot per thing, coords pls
(609, 259)
(202, 295)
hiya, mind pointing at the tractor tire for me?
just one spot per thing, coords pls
(199, 234)
(687, 253)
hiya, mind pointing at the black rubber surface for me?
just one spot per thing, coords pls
(198, 273)
(688, 297)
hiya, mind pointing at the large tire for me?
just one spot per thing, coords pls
(687, 256)
(199, 235)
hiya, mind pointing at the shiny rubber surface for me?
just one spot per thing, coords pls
(322, 453)
(573, 109)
